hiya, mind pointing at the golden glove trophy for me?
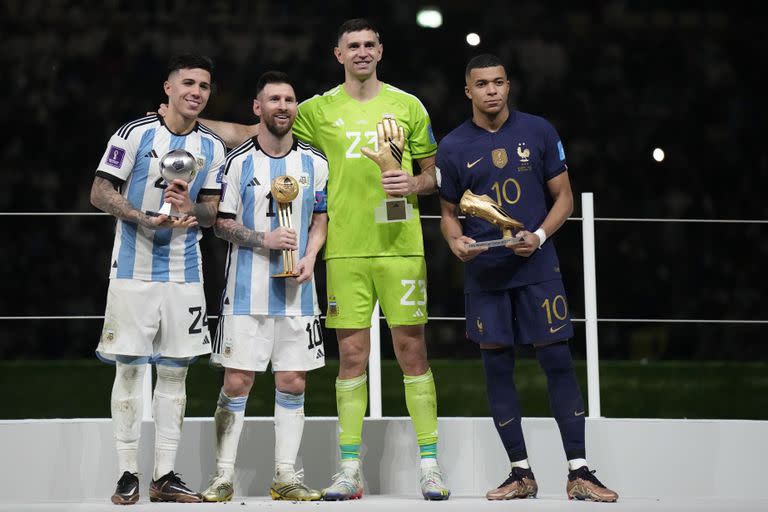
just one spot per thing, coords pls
(389, 156)
(487, 209)
(284, 190)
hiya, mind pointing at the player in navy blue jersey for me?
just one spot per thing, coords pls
(514, 294)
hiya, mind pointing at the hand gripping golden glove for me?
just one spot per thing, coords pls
(388, 156)
(389, 149)
(487, 209)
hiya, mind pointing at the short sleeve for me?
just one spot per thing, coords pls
(554, 153)
(321, 185)
(449, 186)
(230, 189)
(117, 162)
(422, 139)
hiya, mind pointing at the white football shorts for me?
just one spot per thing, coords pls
(156, 319)
(250, 342)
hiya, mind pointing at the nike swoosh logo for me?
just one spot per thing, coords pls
(471, 165)
(504, 423)
(553, 330)
(578, 413)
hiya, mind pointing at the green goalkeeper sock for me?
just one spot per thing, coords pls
(351, 403)
(421, 400)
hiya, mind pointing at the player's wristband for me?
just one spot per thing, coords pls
(542, 236)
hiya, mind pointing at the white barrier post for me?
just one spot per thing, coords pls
(590, 303)
(146, 391)
(374, 365)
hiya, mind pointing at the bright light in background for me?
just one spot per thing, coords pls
(473, 39)
(429, 17)
(658, 154)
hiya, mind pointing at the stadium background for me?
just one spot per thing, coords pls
(617, 79)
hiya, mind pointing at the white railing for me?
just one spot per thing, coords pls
(590, 307)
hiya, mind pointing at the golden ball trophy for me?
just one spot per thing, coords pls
(284, 190)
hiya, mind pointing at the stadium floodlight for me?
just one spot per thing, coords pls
(473, 39)
(429, 17)
(658, 154)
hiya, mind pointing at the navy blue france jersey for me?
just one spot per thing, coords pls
(512, 167)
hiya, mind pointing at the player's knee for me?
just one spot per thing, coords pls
(290, 382)
(555, 357)
(238, 382)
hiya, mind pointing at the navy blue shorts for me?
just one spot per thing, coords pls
(519, 316)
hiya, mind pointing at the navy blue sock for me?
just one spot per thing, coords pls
(565, 399)
(502, 398)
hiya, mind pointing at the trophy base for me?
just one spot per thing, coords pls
(174, 214)
(495, 243)
(393, 210)
(285, 274)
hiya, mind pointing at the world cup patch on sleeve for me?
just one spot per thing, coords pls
(561, 150)
(115, 156)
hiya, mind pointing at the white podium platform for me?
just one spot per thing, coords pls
(686, 464)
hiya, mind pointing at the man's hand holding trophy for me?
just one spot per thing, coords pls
(178, 168)
(284, 191)
(388, 155)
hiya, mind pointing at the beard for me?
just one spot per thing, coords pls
(274, 129)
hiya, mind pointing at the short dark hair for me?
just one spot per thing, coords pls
(272, 77)
(485, 60)
(190, 61)
(356, 25)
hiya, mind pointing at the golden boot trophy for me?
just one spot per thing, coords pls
(487, 209)
(284, 190)
(389, 156)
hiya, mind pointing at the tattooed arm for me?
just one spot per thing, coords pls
(205, 210)
(106, 198)
(233, 231)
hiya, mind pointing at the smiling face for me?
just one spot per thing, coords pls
(359, 52)
(188, 91)
(488, 88)
(277, 107)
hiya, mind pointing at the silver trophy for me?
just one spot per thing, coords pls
(177, 164)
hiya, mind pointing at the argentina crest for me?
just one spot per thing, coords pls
(499, 157)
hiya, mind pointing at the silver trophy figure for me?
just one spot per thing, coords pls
(177, 164)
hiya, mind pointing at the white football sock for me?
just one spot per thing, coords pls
(229, 418)
(168, 406)
(289, 427)
(126, 405)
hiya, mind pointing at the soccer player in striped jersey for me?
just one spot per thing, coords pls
(515, 295)
(367, 261)
(155, 310)
(263, 318)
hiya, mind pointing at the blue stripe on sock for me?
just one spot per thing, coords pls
(288, 400)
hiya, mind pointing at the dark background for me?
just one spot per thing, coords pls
(615, 78)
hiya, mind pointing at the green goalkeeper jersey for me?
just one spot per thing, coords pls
(339, 126)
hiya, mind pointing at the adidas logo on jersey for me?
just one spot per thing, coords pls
(319, 354)
(151, 154)
(418, 312)
(338, 122)
(206, 341)
(254, 183)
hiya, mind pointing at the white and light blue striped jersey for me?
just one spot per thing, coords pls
(246, 197)
(132, 161)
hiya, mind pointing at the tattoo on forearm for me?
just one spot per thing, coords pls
(110, 201)
(236, 233)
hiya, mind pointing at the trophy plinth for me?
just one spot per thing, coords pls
(177, 164)
(486, 208)
(284, 190)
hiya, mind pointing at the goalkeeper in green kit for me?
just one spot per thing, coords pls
(368, 259)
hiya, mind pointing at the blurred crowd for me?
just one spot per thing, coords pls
(615, 79)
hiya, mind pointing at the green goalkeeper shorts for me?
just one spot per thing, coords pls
(399, 283)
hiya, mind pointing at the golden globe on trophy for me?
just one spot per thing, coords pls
(284, 190)
(177, 164)
(486, 208)
(389, 156)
